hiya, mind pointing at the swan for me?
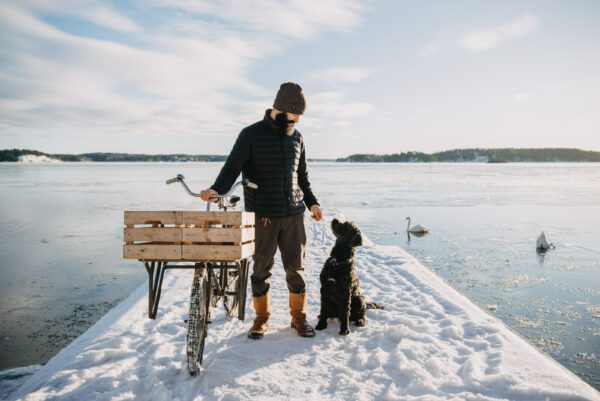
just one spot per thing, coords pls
(417, 229)
(542, 243)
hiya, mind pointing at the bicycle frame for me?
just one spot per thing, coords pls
(156, 271)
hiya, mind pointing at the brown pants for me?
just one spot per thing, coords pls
(288, 234)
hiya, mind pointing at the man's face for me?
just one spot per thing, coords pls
(287, 121)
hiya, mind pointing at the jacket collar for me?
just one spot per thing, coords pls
(269, 121)
(271, 124)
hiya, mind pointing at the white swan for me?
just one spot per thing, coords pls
(418, 229)
(542, 243)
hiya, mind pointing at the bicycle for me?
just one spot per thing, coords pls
(220, 267)
(207, 285)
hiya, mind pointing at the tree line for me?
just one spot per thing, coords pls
(12, 155)
(504, 155)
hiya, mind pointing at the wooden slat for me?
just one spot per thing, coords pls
(226, 218)
(217, 252)
(217, 234)
(152, 252)
(165, 243)
(163, 234)
(149, 217)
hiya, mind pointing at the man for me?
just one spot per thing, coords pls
(271, 154)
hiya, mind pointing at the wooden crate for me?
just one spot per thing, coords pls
(188, 235)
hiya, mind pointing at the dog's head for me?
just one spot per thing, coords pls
(346, 232)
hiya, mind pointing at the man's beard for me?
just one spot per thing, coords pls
(285, 126)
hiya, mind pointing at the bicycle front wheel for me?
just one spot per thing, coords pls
(197, 320)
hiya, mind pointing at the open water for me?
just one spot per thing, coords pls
(61, 265)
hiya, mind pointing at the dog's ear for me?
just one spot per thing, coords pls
(334, 224)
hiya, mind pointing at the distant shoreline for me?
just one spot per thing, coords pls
(309, 161)
(475, 155)
(496, 155)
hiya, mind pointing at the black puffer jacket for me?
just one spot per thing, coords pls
(276, 163)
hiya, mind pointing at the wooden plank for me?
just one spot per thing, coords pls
(248, 249)
(152, 252)
(225, 218)
(217, 252)
(163, 234)
(150, 217)
(217, 234)
(248, 219)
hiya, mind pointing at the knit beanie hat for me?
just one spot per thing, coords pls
(290, 99)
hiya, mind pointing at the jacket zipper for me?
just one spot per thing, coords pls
(287, 203)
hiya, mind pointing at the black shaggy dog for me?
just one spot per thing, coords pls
(340, 293)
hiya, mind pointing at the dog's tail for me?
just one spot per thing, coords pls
(373, 305)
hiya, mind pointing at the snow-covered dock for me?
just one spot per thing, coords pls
(430, 343)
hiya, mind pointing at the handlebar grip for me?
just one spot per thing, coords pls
(179, 178)
(247, 183)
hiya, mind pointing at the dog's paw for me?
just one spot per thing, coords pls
(361, 323)
(321, 326)
(344, 332)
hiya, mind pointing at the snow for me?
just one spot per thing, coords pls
(37, 159)
(430, 343)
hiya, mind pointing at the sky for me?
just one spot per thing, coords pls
(379, 76)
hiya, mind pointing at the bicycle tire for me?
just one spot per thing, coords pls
(197, 320)
(230, 285)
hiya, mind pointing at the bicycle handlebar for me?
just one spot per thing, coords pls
(172, 180)
(245, 182)
(180, 179)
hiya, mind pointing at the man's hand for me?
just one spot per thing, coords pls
(317, 215)
(207, 193)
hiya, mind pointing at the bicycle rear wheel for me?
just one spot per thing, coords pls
(197, 320)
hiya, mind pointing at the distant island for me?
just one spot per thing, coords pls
(504, 155)
(27, 155)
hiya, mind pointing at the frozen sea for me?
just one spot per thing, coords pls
(61, 235)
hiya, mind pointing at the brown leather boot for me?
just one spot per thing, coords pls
(298, 312)
(262, 313)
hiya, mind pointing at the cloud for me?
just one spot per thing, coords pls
(478, 41)
(86, 10)
(332, 111)
(347, 135)
(340, 75)
(522, 96)
(339, 104)
(297, 19)
(185, 71)
(429, 50)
